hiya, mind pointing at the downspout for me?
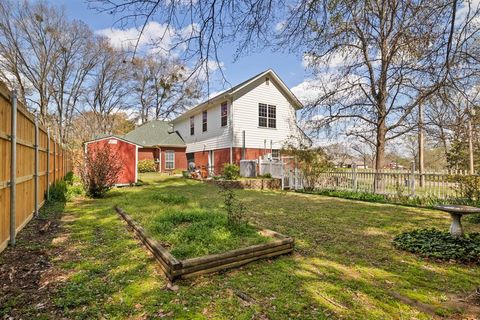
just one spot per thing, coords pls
(231, 130)
(159, 159)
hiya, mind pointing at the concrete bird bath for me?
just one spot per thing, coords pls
(456, 212)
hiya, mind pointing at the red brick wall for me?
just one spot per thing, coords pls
(222, 156)
(147, 153)
(125, 152)
(201, 158)
(180, 158)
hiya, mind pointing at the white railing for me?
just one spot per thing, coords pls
(441, 185)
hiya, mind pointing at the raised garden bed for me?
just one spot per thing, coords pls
(187, 268)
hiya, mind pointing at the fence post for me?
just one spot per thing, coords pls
(354, 174)
(54, 160)
(13, 168)
(412, 179)
(36, 167)
(48, 164)
(282, 173)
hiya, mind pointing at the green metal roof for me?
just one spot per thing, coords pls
(155, 133)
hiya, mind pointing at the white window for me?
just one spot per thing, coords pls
(169, 159)
(267, 116)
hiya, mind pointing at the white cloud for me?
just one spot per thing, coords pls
(280, 26)
(308, 90)
(156, 37)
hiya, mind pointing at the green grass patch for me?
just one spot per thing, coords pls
(195, 232)
(402, 199)
(436, 244)
(170, 198)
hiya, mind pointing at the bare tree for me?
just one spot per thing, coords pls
(162, 88)
(109, 86)
(29, 38)
(75, 61)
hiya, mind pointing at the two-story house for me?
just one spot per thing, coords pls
(252, 119)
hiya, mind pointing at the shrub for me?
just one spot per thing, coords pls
(468, 188)
(266, 176)
(234, 207)
(433, 243)
(147, 165)
(58, 191)
(231, 171)
(311, 161)
(100, 171)
(69, 178)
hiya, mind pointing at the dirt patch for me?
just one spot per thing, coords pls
(28, 278)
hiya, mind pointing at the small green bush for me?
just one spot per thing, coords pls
(474, 218)
(266, 176)
(468, 187)
(231, 171)
(69, 178)
(170, 198)
(233, 206)
(436, 244)
(147, 165)
(58, 191)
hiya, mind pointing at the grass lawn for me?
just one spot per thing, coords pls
(344, 265)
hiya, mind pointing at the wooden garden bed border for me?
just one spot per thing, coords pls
(176, 269)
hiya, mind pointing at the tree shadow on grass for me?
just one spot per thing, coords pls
(343, 266)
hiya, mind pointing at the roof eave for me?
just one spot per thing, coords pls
(187, 113)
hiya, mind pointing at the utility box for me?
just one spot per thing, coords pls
(248, 168)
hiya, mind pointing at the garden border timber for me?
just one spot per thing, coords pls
(176, 269)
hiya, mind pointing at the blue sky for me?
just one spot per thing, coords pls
(288, 66)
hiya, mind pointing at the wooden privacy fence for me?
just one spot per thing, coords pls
(439, 185)
(30, 161)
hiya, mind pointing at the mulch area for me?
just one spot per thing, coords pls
(28, 278)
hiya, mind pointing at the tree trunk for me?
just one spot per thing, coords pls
(380, 155)
(421, 147)
(470, 146)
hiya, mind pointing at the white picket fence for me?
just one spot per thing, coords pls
(441, 185)
(284, 169)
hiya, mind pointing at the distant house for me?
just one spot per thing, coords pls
(160, 143)
(251, 120)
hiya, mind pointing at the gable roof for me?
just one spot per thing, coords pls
(155, 133)
(228, 93)
(109, 136)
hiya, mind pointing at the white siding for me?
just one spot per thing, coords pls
(216, 136)
(245, 116)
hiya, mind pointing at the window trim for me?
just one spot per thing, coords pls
(192, 125)
(172, 152)
(267, 118)
(224, 118)
(204, 121)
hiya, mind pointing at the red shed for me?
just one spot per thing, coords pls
(126, 151)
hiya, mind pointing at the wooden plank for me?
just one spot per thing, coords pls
(233, 253)
(234, 264)
(232, 259)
